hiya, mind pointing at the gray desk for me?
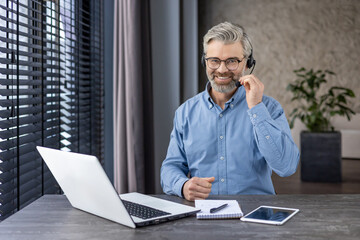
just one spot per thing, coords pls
(320, 217)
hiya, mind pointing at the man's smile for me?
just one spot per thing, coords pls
(223, 78)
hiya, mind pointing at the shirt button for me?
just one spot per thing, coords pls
(210, 106)
(222, 158)
(254, 115)
(221, 137)
(231, 105)
(222, 180)
(221, 115)
(267, 137)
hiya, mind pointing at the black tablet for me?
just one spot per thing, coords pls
(270, 215)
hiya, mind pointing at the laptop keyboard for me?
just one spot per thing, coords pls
(142, 211)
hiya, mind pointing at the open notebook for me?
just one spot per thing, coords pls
(232, 210)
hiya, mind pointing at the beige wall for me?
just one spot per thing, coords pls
(289, 34)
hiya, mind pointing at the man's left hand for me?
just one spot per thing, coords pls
(254, 89)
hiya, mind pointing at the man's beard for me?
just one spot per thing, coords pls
(224, 88)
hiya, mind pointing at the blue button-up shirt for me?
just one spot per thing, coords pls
(237, 146)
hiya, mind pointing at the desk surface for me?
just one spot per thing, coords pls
(320, 217)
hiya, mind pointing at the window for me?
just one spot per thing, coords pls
(51, 91)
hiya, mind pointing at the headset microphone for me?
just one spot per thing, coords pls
(238, 84)
(250, 63)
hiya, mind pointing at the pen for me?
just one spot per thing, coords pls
(213, 210)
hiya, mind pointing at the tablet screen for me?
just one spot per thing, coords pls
(272, 215)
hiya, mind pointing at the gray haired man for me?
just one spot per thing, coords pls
(229, 138)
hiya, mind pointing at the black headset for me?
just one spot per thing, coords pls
(250, 63)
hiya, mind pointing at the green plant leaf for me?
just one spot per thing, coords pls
(350, 93)
(347, 116)
(341, 106)
(294, 111)
(330, 72)
(294, 98)
(313, 107)
(315, 110)
(333, 113)
(290, 87)
(341, 98)
(299, 70)
(300, 75)
(291, 124)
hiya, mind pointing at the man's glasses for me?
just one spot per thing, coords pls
(231, 63)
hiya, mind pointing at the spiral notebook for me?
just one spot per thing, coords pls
(232, 210)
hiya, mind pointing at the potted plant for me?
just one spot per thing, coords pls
(321, 144)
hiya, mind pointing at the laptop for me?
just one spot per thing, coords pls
(88, 188)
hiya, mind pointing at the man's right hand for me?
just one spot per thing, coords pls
(197, 188)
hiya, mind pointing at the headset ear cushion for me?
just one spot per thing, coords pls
(250, 61)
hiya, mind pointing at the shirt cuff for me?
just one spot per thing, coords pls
(258, 113)
(178, 186)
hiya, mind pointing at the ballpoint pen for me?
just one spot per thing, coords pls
(214, 210)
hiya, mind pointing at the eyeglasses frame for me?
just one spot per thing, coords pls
(238, 60)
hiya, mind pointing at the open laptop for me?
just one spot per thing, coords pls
(88, 188)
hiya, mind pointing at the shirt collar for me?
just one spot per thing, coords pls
(237, 97)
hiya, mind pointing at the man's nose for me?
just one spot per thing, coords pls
(222, 68)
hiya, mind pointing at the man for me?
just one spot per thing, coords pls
(228, 140)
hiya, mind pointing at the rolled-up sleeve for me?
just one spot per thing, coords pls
(273, 137)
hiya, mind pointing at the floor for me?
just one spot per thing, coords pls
(350, 182)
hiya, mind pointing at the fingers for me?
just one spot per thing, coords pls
(199, 195)
(250, 81)
(254, 89)
(200, 185)
(197, 188)
(247, 78)
(210, 179)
